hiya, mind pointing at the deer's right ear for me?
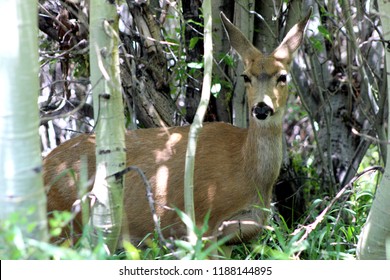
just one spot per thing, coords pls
(238, 41)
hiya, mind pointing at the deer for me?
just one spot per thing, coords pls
(235, 168)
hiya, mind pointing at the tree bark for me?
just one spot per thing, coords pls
(337, 94)
(107, 192)
(244, 20)
(22, 196)
(145, 74)
(374, 241)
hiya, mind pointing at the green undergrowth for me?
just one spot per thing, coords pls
(329, 230)
(321, 234)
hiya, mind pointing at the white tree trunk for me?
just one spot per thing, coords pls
(21, 185)
(107, 210)
(374, 241)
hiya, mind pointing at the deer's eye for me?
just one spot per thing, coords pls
(246, 78)
(282, 79)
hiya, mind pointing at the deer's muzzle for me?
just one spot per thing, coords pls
(261, 111)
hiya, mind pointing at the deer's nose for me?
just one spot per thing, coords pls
(261, 111)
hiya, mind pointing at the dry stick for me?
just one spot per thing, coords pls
(149, 195)
(309, 228)
(50, 116)
(369, 137)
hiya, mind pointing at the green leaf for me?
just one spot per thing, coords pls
(184, 245)
(317, 44)
(322, 29)
(186, 219)
(195, 22)
(132, 252)
(195, 65)
(228, 59)
(193, 42)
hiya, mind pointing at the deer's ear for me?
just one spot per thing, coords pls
(285, 51)
(238, 41)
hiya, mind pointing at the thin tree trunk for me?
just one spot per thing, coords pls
(107, 208)
(267, 37)
(198, 120)
(244, 21)
(222, 101)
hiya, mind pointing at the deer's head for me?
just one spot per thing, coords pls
(265, 76)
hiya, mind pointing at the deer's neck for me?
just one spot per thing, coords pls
(263, 157)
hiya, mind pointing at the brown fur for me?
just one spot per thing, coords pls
(235, 168)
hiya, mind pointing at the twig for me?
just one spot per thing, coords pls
(52, 17)
(309, 228)
(149, 195)
(259, 16)
(368, 137)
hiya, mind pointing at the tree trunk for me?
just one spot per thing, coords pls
(22, 196)
(337, 91)
(374, 241)
(107, 207)
(268, 22)
(221, 101)
(244, 21)
(145, 75)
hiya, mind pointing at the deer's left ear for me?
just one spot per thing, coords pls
(285, 51)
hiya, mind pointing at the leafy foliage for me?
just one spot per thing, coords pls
(333, 238)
